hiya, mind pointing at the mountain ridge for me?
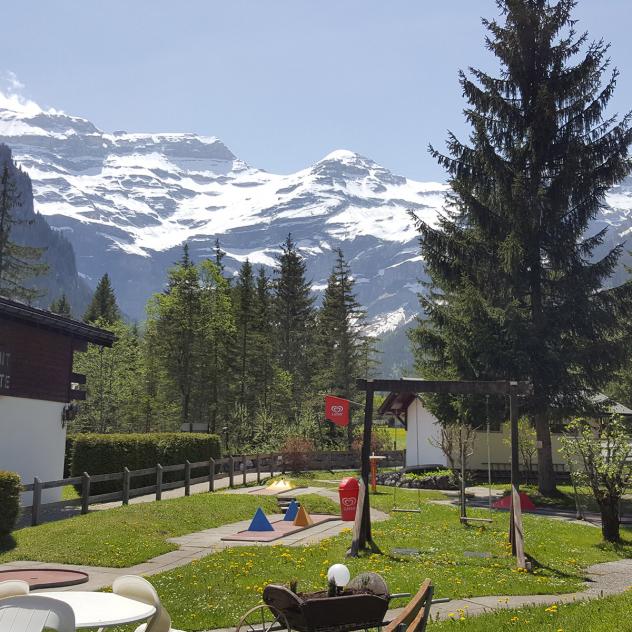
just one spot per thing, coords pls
(127, 202)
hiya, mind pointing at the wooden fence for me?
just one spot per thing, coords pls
(233, 467)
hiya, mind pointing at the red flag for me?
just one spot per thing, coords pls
(337, 410)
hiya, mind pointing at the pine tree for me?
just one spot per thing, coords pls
(174, 317)
(294, 316)
(217, 345)
(517, 283)
(61, 306)
(342, 345)
(17, 262)
(263, 367)
(244, 293)
(103, 305)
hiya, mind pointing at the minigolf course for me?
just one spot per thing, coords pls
(261, 529)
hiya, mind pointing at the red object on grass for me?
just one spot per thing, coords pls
(526, 504)
(348, 490)
(337, 410)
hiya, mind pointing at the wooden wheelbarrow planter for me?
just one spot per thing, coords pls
(284, 610)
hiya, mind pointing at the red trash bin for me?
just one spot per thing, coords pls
(348, 491)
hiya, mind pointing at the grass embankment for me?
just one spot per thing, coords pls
(611, 614)
(215, 591)
(125, 536)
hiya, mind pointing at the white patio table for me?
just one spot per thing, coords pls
(102, 610)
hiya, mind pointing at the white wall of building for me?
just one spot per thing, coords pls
(423, 430)
(32, 442)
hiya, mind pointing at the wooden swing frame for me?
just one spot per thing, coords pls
(363, 538)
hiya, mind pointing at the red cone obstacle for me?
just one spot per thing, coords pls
(526, 504)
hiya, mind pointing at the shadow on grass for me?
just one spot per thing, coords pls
(535, 564)
(7, 543)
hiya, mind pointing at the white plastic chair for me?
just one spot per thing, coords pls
(32, 613)
(138, 588)
(14, 588)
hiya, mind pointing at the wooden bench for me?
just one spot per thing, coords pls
(414, 617)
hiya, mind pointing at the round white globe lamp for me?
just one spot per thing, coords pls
(339, 574)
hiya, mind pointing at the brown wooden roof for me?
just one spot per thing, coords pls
(13, 310)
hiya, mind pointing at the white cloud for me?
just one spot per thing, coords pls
(12, 97)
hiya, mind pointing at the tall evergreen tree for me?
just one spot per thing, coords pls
(263, 343)
(217, 345)
(103, 305)
(517, 284)
(341, 342)
(244, 293)
(175, 322)
(18, 263)
(294, 316)
(61, 306)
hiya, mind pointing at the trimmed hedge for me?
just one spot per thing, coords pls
(10, 488)
(109, 453)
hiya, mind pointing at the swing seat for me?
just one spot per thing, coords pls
(467, 519)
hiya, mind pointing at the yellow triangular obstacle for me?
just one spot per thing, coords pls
(303, 519)
(280, 486)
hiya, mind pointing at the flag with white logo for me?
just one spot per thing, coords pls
(337, 410)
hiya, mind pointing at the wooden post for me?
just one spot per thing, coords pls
(158, 482)
(271, 465)
(231, 471)
(243, 462)
(85, 492)
(211, 475)
(462, 491)
(364, 535)
(37, 502)
(187, 478)
(258, 466)
(515, 466)
(126, 486)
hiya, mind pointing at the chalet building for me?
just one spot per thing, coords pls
(37, 385)
(424, 433)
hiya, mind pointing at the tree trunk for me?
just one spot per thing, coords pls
(546, 476)
(610, 519)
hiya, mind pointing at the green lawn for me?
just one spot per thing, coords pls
(397, 437)
(603, 615)
(129, 535)
(215, 591)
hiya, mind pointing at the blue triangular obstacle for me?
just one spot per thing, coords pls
(260, 522)
(291, 511)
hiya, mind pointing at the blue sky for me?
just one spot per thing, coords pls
(281, 82)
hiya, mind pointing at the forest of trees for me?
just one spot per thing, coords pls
(248, 357)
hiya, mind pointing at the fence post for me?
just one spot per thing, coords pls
(126, 485)
(158, 482)
(85, 492)
(211, 475)
(37, 501)
(271, 465)
(187, 478)
(258, 465)
(231, 471)
(245, 466)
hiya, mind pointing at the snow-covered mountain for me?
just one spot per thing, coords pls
(127, 202)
